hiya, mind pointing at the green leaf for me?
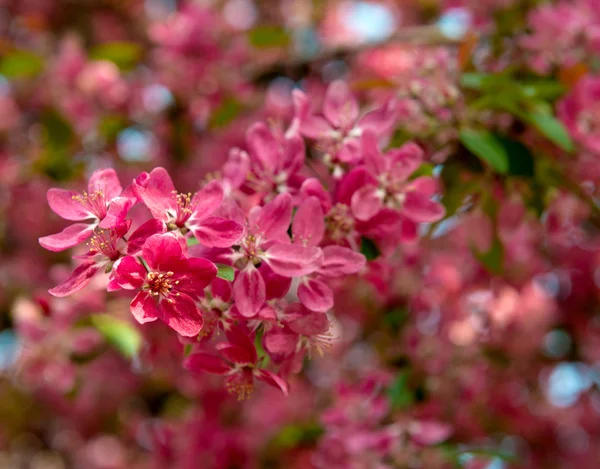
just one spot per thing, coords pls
(225, 113)
(543, 89)
(551, 128)
(520, 158)
(121, 334)
(426, 169)
(485, 146)
(399, 393)
(268, 36)
(225, 272)
(369, 249)
(21, 64)
(123, 54)
(493, 259)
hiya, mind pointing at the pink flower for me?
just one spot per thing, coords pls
(308, 229)
(580, 112)
(103, 203)
(168, 286)
(238, 361)
(388, 184)
(186, 211)
(266, 240)
(338, 130)
(106, 248)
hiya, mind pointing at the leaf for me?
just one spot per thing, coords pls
(520, 158)
(122, 335)
(369, 249)
(551, 128)
(225, 113)
(123, 54)
(426, 169)
(493, 259)
(268, 36)
(485, 146)
(21, 64)
(225, 272)
(399, 393)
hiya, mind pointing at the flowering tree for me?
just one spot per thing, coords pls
(312, 235)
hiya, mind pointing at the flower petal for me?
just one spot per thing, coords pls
(206, 201)
(156, 191)
(182, 315)
(161, 249)
(274, 218)
(315, 295)
(65, 204)
(249, 291)
(107, 181)
(67, 238)
(339, 261)
(293, 260)
(340, 106)
(129, 273)
(217, 232)
(80, 277)
(366, 203)
(420, 208)
(263, 146)
(138, 237)
(280, 343)
(308, 226)
(272, 379)
(143, 307)
(204, 362)
(116, 213)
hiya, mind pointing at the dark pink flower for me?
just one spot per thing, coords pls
(103, 203)
(387, 184)
(185, 212)
(169, 286)
(338, 129)
(238, 361)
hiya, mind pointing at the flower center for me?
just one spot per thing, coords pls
(105, 242)
(95, 202)
(161, 284)
(184, 207)
(339, 222)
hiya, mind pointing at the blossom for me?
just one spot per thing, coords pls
(193, 212)
(104, 203)
(238, 361)
(168, 286)
(387, 184)
(338, 130)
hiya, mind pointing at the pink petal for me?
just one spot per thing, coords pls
(352, 182)
(409, 231)
(234, 354)
(200, 271)
(236, 169)
(274, 219)
(277, 286)
(138, 237)
(217, 232)
(62, 203)
(182, 315)
(80, 277)
(312, 187)
(67, 238)
(418, 207)
(380, 120)
(161, 249)
(237, 336)
(116, 213)
(263, 146)
(292, 155)
(272, 379)
(340, 107)
(311, 324)
(129, 273)
(107, 181)
(315, 295)
(206, 201)
(405, 160)
(339, 261)
(429, 432)
(350, 151)
(204, 362)
(308, 226)
(280, 343)
(249, 291)
(143, 307)
(427, 185)
(366, 203)
(372, 157)
(293, 260)
(315, 127)
(157, 192)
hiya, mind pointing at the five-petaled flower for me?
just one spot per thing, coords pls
(169, 283)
